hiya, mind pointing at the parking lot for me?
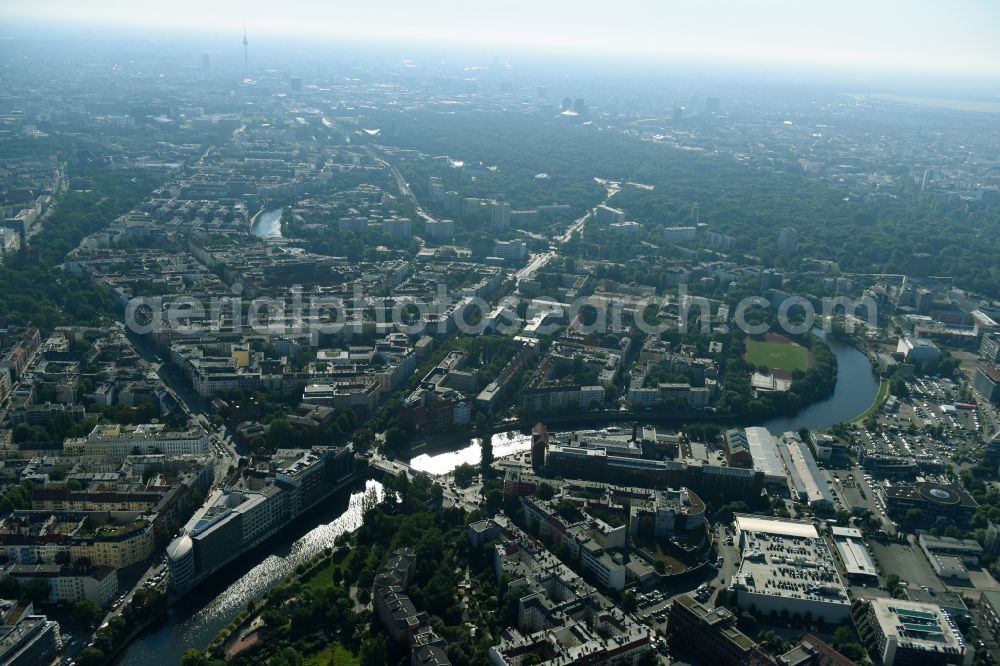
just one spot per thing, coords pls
(906, 561)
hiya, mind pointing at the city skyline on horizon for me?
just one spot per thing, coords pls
(776, 34)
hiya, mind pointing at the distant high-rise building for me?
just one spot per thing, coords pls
(579, 106)
(608, 215)
(440, 230)
(436, 189)
(452, 201)
(470, 206)
(206, 61)
(296, 83)
(920, 263)
(678, 113)
(771, 279)
(787, 239)
(397, 227)
(712, 104)
(922, 300)
(515, 250)
(500, 221)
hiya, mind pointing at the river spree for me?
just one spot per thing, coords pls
(856, 390)
(267, 224)
(199, 616)
(504, 444)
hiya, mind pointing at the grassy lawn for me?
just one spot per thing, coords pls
(323, 576)
(777, 356)
(334, 655)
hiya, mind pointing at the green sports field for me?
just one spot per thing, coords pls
(777, 355)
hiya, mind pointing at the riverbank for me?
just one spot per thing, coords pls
(855, 391)
(194, 620)
(883, 395)
(246, 627)
(109, 658)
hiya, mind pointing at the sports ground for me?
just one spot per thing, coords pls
(777, 353)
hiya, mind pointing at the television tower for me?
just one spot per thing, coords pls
(245, 42)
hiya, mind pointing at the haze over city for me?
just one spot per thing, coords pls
(924, 37)
(497, 334)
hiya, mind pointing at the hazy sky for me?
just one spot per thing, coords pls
(961, 36)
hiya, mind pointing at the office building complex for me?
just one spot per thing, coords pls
(515, 250)
(989, 349)
(939, 503)
(273, 491)
(987, 383)
(711, 633)
(906, 633)
(616, 460)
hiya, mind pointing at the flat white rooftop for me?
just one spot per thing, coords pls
(855, 556)
(764, 452)
(772, 526)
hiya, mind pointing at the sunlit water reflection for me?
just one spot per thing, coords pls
(268, 225)
(199, 616)
(504, 444)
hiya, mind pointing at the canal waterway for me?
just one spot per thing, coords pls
(267, 224)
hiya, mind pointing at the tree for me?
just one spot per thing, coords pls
(373, 651)
(494, 499)
(841, 635)
(10, 588)
(773, 642)
(727, 510)
(545, 491)
(273, 619)
(85, 612)
(648, 658)
(281, 434)
(37, 590)
(463, 474)
(898, 387)
(288, 656)
(629, 602)
(914, 516)
(93, 656)
(853, 651)
(193, 657)
(486, 456)
(396, 438)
